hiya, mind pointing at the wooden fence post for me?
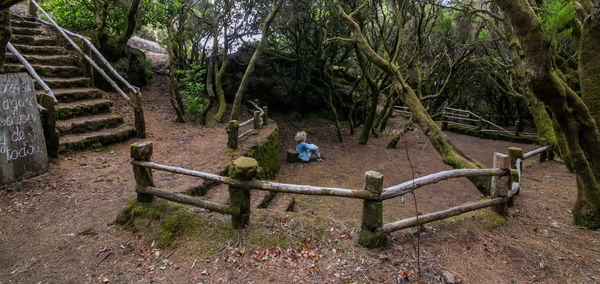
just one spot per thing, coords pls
(256, 119)
(500, 184)
(517, 125)
(265, 111)
(232, 134)
(243, 169)
(142, 152)
(372, 215)
(49, 124)
(88, 68)
(515, 153)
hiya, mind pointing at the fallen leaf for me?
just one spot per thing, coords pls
(105, 280)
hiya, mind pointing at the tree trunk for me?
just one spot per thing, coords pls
(209, 76)
(220, 92)
(450, 154)
(121, 48)
(100, 15)
(239, 95)
(173, 83)
(589, 63)
(571, 113)
(374, 100)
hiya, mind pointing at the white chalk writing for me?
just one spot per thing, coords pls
(24, 151)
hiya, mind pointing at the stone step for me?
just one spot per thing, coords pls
(79, 108)
(62, 83)
(52, 60)
(45, 70)
(35, 40)
(42, 50)
(16, 21)
(88, 123)
(75, 142)
(37, 30)
(283, 202)
(260, 198)
(75, 94)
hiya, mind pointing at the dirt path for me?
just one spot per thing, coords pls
(59, 227)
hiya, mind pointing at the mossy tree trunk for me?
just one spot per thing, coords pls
(175, 60)
(589, 62)
(572, 115)
(100, 16)
(373, 100)
(450, 154)
(209, 76)
(219, 86)
(132, 14)
(239, 95)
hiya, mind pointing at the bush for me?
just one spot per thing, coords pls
(190, 88)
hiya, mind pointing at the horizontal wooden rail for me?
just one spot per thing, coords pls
(474, 115)
(458, 117)
(217, 207)
(406, 187)
(31, 71)
(428, 218)
(244, 134)
(535, 152)
(246, 122)
(265, 185)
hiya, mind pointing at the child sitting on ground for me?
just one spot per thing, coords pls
(306, 150)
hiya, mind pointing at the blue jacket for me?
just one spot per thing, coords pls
(304, 150)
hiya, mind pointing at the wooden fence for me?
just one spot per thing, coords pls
(469, 119)
(259, 119)
(505, 184)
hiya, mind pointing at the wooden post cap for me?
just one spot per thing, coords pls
(374, 182)
(244, 168)
(141, 150)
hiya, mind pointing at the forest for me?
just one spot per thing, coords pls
(525, 65)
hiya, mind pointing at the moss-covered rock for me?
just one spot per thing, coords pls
(266, 153)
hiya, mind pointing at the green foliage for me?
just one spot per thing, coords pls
(78, 14)
(555, 17)
(190, 86)
(71, 14)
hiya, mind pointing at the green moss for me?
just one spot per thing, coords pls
(134, 210)
(266, 153)
(207, 234)
(484, 219)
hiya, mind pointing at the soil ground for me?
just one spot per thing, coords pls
(59, 227)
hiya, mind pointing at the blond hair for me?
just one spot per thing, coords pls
(300, 137)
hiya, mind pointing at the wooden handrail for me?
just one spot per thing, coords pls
(535, 152)
(408, 186)
(427, 218)
(264, 185)
(31, 71)
(63, 32)
(213, 206)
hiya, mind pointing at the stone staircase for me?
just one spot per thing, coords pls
(219, 193)
(84, 117)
